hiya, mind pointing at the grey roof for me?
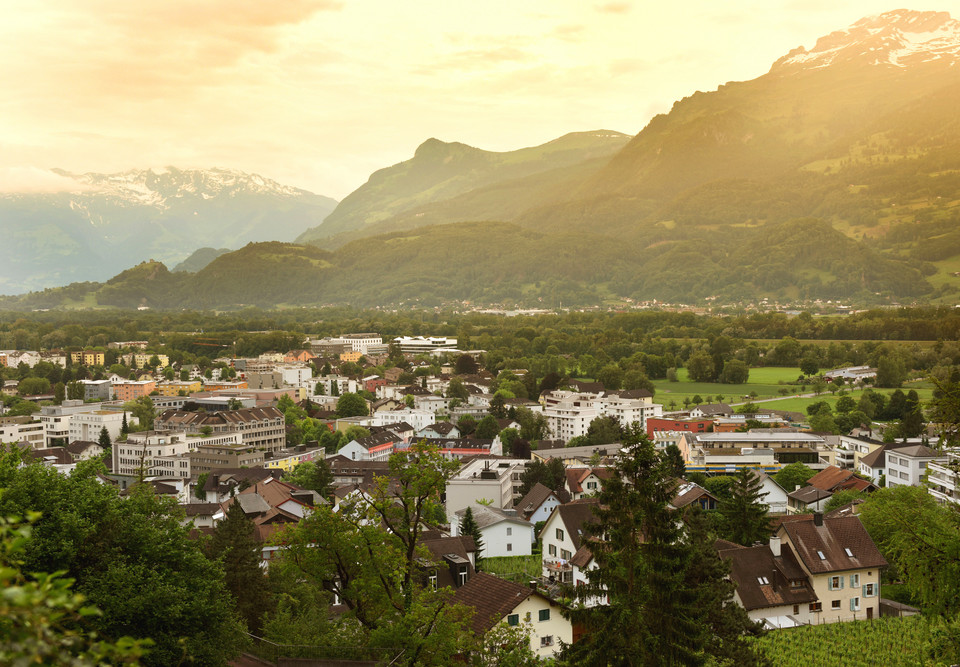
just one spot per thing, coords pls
(487, 516)
(252, 503)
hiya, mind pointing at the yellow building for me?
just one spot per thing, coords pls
(352, 356)
(174, 388)
(141, 359)
(88, 358)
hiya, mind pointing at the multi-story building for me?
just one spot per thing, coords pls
(87, 425)
(88, 358)
(899, 464)
(179, 387)
(563, 535)
(260, 428)
(97, 390)
(425, 345)
(569, 413)
(155, 453)
(22, 429)
(131, 390)
(211, 457)
(943, 479)
(495, 480)
(361, 342)
(787, 447)
(56, 419)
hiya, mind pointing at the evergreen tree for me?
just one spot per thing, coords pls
(469, 527)
(124, 427)
(743, 514)
(234, 543)
(653, 575)
(334, 388)
(104, 439)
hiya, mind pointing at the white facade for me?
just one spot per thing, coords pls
(56, 419)
(31, 432)
(507, 537)
(424, 345)
(296, 376)
(418, 419)
(359, 342)
(163, 453)
(908, 466)
(569, 413)
(943, 483)
(490, 480)
(87, 425)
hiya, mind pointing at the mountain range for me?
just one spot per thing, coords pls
(834, 175)
(102, 223)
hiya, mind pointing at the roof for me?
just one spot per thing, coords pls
(715, 409)
(631, 393)
(833, 538)
(492, 598)
(537, 495)
(201, 509)
(876, 458)
(487, 516)
(828, 478)
(916, 451)
(78, 447)
(764, 580)
(687, 492)
(442, 428)
(575, 515)
(809, 494)
(583, 556)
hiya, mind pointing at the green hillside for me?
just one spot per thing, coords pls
(439, 171)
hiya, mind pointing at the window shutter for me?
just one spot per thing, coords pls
(841, 583)
(830, 584)
(864, 589)
(853, 606)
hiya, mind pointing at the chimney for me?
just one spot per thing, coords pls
(533, 585)
(818, 518)
(775, 545)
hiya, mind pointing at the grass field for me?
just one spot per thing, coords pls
(891, 642)
(766, 383)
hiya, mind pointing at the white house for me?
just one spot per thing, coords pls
(502, 531)
(563, 535)
(538, 504)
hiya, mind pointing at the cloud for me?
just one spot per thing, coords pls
(33, 180)
(613, 8)
(569, 32)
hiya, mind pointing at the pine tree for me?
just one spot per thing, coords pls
(744, 514)
(104, 439)
(469, 527)
(653, 575)
(235, 544)
(124, 427)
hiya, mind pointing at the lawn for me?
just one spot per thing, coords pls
(766, 382)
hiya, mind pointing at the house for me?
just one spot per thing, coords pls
(814, 569)
(373, 382)
(299, 357)
(655, 424)
(538, 504)
(834, 479)
(942, 479)
(584, 482)
(453, 560)
(575, 456)
(84, 450)
(220, 485)
(711, 410)
(689, 494)
(806, 499)
(841, 562)
(487, 478)
(497, 601)
(774, 495)
(439, 430)
(502, 531)
(562, 537)
(376, 447)
(898, 464)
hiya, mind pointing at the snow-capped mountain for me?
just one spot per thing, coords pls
(900, 38)
(110, 221)
(157, 187)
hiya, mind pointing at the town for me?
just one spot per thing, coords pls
(492, 488)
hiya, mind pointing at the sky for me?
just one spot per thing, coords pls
(318, 94)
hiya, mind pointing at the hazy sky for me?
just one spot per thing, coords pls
(320, 93)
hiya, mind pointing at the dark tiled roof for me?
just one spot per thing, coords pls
(632, 393)
(764, 580)
(876, 458)
(832, 538)
(492, 598)
(534, 499)
(583, 556)
(809, 494)
(442, 429)
(78, 447)
(828, 478)
(575, 515)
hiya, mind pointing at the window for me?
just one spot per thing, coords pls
(822, 557)
(559, 533)
(869, 590)
(544, 615)
(854, 604)
(565, 555)
(836, 583)
(509, 546)
(763, 581)
(848, 552)
(854, 580)
(546, 641)
(463, 577)
(513, 619)
(835, 605)
(591, 485)
(433, 581)
(553, 550)
(796, 609)
(815, 606)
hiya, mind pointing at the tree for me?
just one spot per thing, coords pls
(809, 365)
(466, 365)
(945, 411)
(142, 408)
(700, 367)
(42, 618)
(793, 476)
(75, 391)
(456, 389)
(351, 405)
(488, 428)
(319, 389)
(124, 427)
(533, 425)
(33, 386)
(735, 372)
(104, 439)
(697, 399)
(469, 527)
(911, 424)
(467, 425)
(890, 371)
(841, 498)
(673, 461)
(334, 387)
(551, 474)
(823, 422)
(744, 514)
(611, 376)
(604, 430)
(312, 475)
(131, 557)
(921, 540)
(668, 596)
(498, 405)
(235, 545)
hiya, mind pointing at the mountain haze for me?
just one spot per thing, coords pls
(103, 223)
(836, 175)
